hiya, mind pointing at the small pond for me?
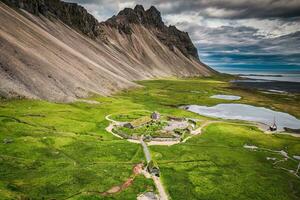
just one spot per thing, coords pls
(226, 97)
(247, 113)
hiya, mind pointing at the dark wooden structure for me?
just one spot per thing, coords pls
(273, 127)
(153, 168)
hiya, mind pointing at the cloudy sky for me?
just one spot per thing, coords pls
(231, 35)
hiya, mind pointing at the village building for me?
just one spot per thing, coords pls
(153, 168)
(178, 119)
(137, 122)
(128, 125)
(192, 122)
(155, 116)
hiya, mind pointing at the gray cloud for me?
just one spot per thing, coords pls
(237, 9)
(227, 32)
(229, 9)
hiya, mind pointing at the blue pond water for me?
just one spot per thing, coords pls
(247, 113)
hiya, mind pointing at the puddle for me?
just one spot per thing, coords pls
(250, 146)
(296, 157)
(226, 97)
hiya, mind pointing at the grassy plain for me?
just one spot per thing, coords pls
(55, 151)
(216, 166)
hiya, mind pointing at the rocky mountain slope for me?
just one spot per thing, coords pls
(57, 51)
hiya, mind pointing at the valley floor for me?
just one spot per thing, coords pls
(62, 151)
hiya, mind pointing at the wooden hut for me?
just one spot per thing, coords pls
(128, 125)
(273, 127)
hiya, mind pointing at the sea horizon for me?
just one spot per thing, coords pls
(287, 74)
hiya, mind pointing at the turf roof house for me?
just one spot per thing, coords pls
(142, 121)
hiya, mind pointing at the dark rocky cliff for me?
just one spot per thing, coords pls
(151, 18)
(78, 18)
(71, 14)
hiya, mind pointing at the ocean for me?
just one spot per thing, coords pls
(264, 73)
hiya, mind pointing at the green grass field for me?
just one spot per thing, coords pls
(58, 150)
(62, 151)
(216, 166)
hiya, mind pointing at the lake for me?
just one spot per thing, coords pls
(247, 113)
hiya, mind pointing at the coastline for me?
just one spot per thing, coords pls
(268, 85)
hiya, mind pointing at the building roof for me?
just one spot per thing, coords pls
(141, 121)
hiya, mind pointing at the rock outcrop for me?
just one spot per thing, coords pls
(151, 19)
(71, 14)
(57, 51)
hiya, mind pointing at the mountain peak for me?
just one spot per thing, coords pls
(138, 15)
(78, 18)
(139, 8)
(152, 20)
(153, 10)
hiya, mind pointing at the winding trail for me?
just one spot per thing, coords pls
(198, 131)
(137, 169)
(146, 150)
(111, 126)
(160, 188)
(284, 154)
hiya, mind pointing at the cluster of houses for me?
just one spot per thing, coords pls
(172, 131)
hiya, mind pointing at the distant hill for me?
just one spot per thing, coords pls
(57, 51)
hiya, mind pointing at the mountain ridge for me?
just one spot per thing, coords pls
(72, 14)
(168, 35)
(48, 54)
(77, 17)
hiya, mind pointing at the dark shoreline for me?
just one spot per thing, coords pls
(261, 75)
(260, 84)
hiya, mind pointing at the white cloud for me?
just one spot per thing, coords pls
(127, 4)
(270, 28)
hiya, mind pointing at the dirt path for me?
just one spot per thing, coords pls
(162, 143)
(161, 190)
(199, 130)
(137, 169)
(111, 126)
(283, 153)
(146, 150)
